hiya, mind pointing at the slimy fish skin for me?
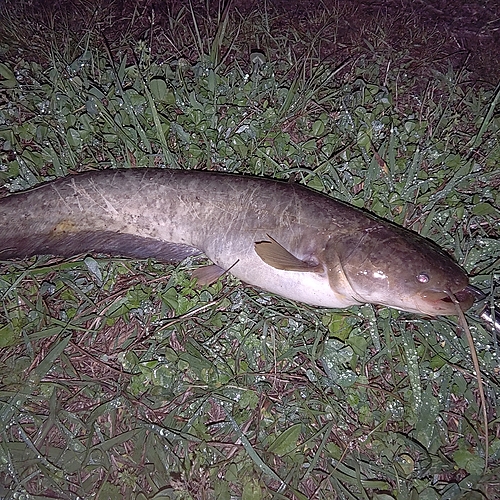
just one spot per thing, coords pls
(278, 236)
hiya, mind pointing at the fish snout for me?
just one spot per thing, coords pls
(466, 297)
(443, 301)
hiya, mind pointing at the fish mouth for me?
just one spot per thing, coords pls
(444, 302)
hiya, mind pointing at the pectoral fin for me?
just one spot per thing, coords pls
(208, 274)
(277, 256)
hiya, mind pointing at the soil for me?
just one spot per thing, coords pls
(436, 35)
(421, 37)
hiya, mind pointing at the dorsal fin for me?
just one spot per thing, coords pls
(277, 256)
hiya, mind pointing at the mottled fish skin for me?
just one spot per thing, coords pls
(282, 237)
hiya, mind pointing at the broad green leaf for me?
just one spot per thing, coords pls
(286, 442)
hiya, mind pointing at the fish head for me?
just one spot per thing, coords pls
(388, 265)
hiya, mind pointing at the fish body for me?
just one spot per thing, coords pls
(282, 237)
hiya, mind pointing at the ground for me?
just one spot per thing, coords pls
(149, 351)
(420, 36)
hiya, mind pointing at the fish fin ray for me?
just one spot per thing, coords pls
(208, 274)
(277, 256)
(93, 241)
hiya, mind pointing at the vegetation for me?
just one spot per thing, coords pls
(123, 379)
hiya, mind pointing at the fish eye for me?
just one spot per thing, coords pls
(423, 278)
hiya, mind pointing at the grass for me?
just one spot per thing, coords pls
(122, 379)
